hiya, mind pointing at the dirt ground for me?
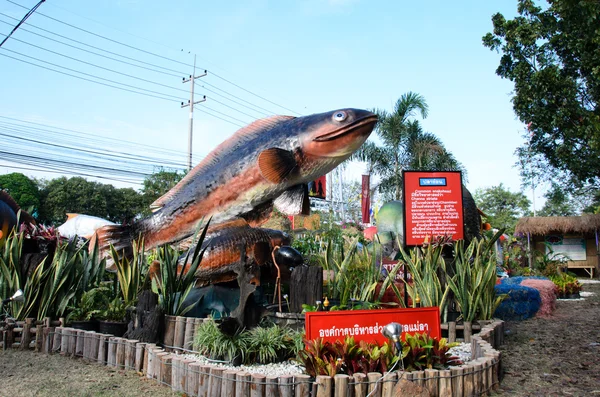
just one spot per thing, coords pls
(25, 374)
(556, 356)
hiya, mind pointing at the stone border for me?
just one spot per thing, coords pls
(477, 377)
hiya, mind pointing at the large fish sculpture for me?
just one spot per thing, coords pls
(266, 164)
(9, 212)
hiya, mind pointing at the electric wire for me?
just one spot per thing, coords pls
(228, 99)
(83, 78)
(95, 53)
(29, 13)
(179, 74)
(216, 111)
(156, 55)
(100, 67)
(70, 172)
(164, 96)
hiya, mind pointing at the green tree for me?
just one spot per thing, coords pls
(553, 57)
(78, 195)
(158, 184)
(24, 190)
(502, 207)
(405, 146)
(558, 203)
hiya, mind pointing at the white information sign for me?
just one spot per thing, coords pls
(572, 247)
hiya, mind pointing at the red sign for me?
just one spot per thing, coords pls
(367, 324)
(389, 265)
(432, 206)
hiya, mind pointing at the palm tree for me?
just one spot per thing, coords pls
(405, 146)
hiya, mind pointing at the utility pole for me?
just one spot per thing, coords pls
(191, 104)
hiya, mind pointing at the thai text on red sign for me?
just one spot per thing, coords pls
(432, 206)
(367, 324)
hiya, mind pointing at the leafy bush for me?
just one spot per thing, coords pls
(348, 357)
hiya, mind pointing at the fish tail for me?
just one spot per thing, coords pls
(119, 237)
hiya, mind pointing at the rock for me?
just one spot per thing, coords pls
(408, 388)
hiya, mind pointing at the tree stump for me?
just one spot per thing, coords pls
(306, 287)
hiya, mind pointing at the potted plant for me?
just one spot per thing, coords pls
(82, 316)
(112, 319)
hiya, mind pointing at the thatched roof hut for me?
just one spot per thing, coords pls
(544, 225)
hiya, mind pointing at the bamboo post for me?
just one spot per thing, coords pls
(130, 353)
(272, 387)
(79, 344)
(457, 381)
(158, 365)
(360, 386)
(286, 386)
(340, 387)
(39, 337)
(374, 386)
(468, 380)
(323, 386)
(48, 339)
(467, 331)
(150, 363)
(431, 381)
(242, 386)
(166, 368)
(139, 357)
(103, 348)
(179, 332)
(388, 384)
(419, 378)
(303, 388)
(228, 389)
(176, 374)
(193, 377)
(214, 381)
(452, 331)
(112, 351)
(57, 339)
(190, 325)
(169, 334)
(445, 383)
(26, 334)
(257, 387)
(203, 381)
(64, 341)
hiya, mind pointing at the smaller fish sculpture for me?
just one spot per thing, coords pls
(9, 212)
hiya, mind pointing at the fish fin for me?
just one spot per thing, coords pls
(294, 201)
(262, 252)
(120, 237)
(239, 139)
(71, 215)
(237, 222)
(276, 164)
(259, 215)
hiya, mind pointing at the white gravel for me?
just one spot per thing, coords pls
(463, 351)
(276, 369)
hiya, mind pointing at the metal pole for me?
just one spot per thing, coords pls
(341, 185)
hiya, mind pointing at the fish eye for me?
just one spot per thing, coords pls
(340, 116)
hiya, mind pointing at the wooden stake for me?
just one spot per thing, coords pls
(165, 368)
(360, 387)
(257, 387)
(193, 377)
(388, 383)
(452, 331)
(445, 384)
(340, 385)
(228, 389)
(374, 386)
(286, 388)
(179, 332)
(242, 384)
(303, 385)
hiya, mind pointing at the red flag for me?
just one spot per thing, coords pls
(366, 199)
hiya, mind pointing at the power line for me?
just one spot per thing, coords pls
(96, 48)
(93, 81)
(250, 92)
(237, 97)
(104, 37)
(204, 110)
(35, 7)
(95, 53)
(157, 55)
(101, 67)
(228, 99)
(54, 170)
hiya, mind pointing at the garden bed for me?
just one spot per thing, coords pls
(194, 378)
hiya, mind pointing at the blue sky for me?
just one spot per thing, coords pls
(308, 56)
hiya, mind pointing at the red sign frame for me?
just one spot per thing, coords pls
(367, 324)
(433, 206)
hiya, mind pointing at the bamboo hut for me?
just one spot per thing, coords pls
(575, 236)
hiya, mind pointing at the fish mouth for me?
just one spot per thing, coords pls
(364, 125)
